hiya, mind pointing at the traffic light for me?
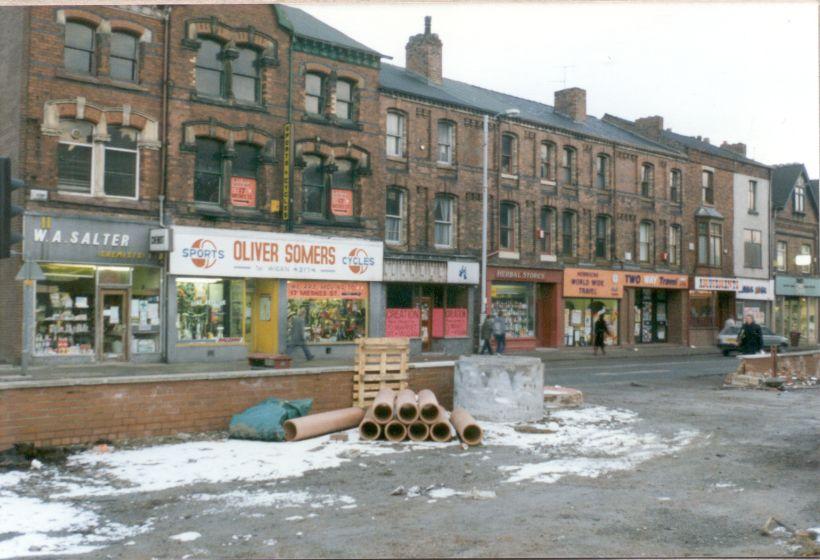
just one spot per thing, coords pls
(8, 211)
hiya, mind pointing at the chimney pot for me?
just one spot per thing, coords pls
(423, 54)
(428, 20)
(738, 148)
(572, 102)
(650, 126)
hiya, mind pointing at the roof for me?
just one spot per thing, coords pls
(783, 179)
(708, 212)
(304, 25)
(452, 92)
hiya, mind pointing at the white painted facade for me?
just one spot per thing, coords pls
(744, 219)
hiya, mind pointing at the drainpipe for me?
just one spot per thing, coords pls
(163, 169)
(289, 223)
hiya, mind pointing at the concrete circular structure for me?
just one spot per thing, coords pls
(500, 388)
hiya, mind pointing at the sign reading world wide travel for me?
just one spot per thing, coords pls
(255, 254)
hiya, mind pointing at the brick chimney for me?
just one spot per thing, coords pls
(572, 102)
(423, 54)
(650, 126)
(739, 148)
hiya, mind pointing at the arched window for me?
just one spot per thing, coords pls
(546, 233)
(314, 93)
(508, 220)
(568, 166)
(208, 171)
(569, 233)
(344, 100)
(78, 53)
(210, 79)
(646, 241)
(395, 211)
(647, 180)
(74, 156)
(509, 154)
(124, 55)
(675, 185)
(244, 175)
(245, 75)
(396, 131)
(314, 199)
(603, 227)
(444, 217)
(602, 171)
(547, 161)
(121, 163)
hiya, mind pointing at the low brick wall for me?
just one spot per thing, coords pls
(794, 367)
(77, 411)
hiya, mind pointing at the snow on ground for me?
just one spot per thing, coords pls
(187, 536)
(242, 499)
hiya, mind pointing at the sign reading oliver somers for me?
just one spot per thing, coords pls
(254, 254)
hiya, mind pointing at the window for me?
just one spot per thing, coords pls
(78, 53)
(245, 76)
(74, 156)
(602, 171)
(707, 187)
(341, 189)
(394, 216)
(244, 171)
(123, 59)
(675, 185)
(646, 242)
(509, 225)
(443, 216)
(313, 186)
(211, 310)
(208, 171)
(395, 134)
(602, 236)
(547, 169)
(782, 254)
(753, 197)
(509, 154)
(800, 197)
(568, 166)
(121, 163)
(805, 249)
(314, 89)
(547, 231)
(674, 245)
(344, 100)
(752, 249)
(446, 141)
(647, 180)
(209, 69)
(710, 243)
(569, 237)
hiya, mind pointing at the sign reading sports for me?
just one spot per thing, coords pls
(252, 254)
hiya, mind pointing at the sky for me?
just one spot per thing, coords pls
(741, 72)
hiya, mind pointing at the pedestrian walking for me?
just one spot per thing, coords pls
(750, 338)
(500, 333)
(486, 335)
(599, 333)
(297, 335)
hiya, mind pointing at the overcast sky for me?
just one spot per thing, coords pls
(741, 72)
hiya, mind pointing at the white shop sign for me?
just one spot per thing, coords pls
(716, 284)
(749, 288)
(462, 272)
(253, 254)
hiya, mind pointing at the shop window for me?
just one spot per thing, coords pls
(210, 310)
(395, 215)
(707, 187)
(124, 55)
(546, 233)
(674, 245)
(805, 249)
(515, 304)
(74, 156)
(244, 172)
(646, 242)
(509, 154)
(800, 197)
(313, 186)
(568, 164)
(603, 228)
(121, 163)
(547, 161)
(580, 315)
(314, 93)
(210, 78)
(334, 311)
(781, 261)
(702, 309)
(395, 134)
(752, 248)
(446, 142)
(602, 171)
(65, 311)
(647, 180)
(509, 226)
(208, 171)
(245, 75)
(344, 100)
(675, 185)
(569, 234)
(145, 310)
(79, 48)
(752, 202)
(443, 214)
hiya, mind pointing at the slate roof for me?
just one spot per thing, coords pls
(305, 25)
(783, 179)
(707, 212)
(452, 92)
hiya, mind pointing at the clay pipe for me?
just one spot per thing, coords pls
(323, 423)
(395, 431)
(369, 429)
(406, 408)
(383, 405)
(441, 430)
(468, 430)
(418, 431)
(428, 406)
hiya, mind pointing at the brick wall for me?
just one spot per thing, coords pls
(84, 413)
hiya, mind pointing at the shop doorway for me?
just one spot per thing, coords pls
(113, 324)
(650, 316)
(264, 318)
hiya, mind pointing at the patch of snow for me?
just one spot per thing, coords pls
(444, 493)
(294, 518)
(187, 536)
(243, 499)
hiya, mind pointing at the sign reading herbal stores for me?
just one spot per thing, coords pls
(252, 254)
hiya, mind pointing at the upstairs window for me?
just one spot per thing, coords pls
(244, 175)
(707, 187)
(805, 249)
(245, 76)
(752, 197)
(782, 255)
(124, 54)
(647, 180)
(443, 216)
(568, 173)
(341, 189)
(569, 234)
(446, 142)
(395, 134)
(710, 243)
(394, 216)
(602, 171)
(800, 197)
(752, 248)
(675, 185)
(547, 160)
(314, 93)
(74, 156)
(509, 154)
(210, 79)
(344, 100)
(603, 226)
(673, 245)
(509, 225)
(314, 198)
(208, 170)
(646, 242)
(79, 49)
(121, 163)
(547, 231)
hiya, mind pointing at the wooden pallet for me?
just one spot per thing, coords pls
(380, 362)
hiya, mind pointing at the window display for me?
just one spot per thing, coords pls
(579, 316)
(702, 309)
(210, 310)
(515, 303)
(335, 311)
(650, 321)
(65, 311)
(145, 311)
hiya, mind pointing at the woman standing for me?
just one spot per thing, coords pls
(599, 332)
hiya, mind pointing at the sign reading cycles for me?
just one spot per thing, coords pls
(239, 253)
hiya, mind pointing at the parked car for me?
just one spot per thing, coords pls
(727, 340)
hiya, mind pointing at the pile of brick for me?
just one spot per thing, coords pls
(790, 371)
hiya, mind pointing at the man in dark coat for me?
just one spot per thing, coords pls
(750, 338)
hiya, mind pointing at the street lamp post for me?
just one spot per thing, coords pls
(485, 197)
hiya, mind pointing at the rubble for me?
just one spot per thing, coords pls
(562, 397)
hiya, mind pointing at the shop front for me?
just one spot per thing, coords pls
(234, 292)
(589, 293)
(754, 297)
(655, 303)
(432, 303)
(711, 304)
(796, 307)
(99, 298)
(529, 300)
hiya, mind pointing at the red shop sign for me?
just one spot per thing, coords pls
(455, 323)
(403, 323)
(243, 191)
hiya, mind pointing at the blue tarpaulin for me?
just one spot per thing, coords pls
(264, 420)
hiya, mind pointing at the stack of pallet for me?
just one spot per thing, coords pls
(399, 416)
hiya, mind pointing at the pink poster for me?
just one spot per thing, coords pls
(403, 323)
(438, 322)
(455, 323)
